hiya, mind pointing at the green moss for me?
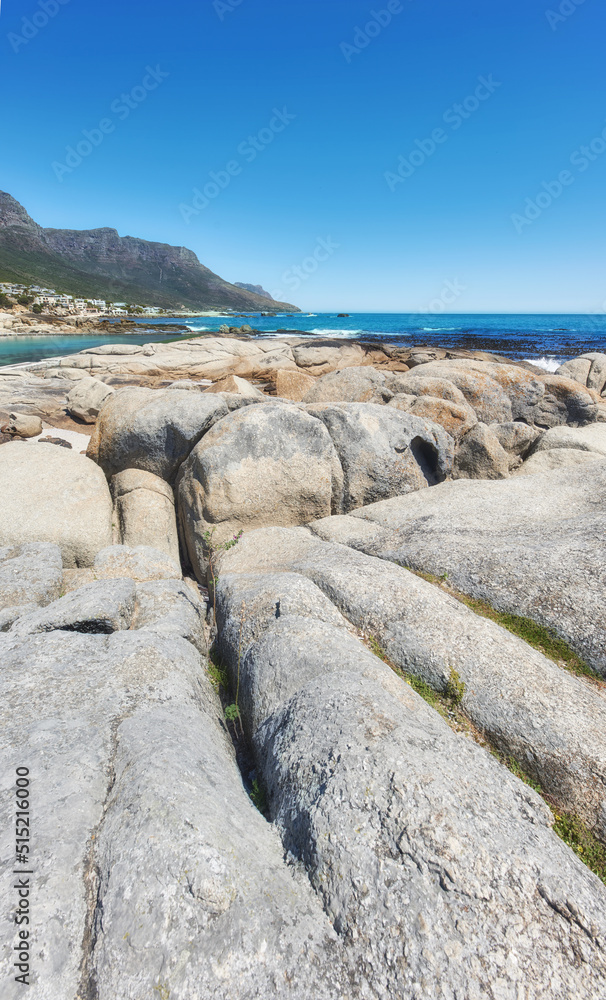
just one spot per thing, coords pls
(569, 827)
(217, 673)
(258, 797)
(425, 690)
(537, 636)
(455, 689)
(581, 840)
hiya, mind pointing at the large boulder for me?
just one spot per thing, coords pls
(530, 545)
(500, 393)
(557, 458)
(384, 452)
(427, 853)
(319, 359)
(589, 369)
(24, 425)
(293, 385)
(86, 399)
(144, 508)
(260, 465)
(517, 439)
(151, 429)
(591, 439)
(481, 456)
(351, 385)
(60, 497)
(456, 418)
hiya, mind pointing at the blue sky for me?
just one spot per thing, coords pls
(330, 122)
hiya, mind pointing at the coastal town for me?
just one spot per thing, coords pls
(49, 300)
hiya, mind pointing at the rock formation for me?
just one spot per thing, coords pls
(366, 593)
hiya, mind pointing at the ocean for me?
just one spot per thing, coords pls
(546, 340)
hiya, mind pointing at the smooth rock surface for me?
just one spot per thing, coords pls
(516, 438)
(25, 425)
(85, 400)
(293, 385)
(591, 438)
(155, 874)
(56, 496)
(261, 465)
(590, 369)
(532, 546)
(144, 511)
(556, 458)
(235, 384)
(551, 722)
(384, 452)
(405, 826)
(151, 429)
(500, 393)
(351, 385)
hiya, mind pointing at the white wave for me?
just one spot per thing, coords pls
(439, 329)
(349, 333)
(196, 329)
(548, 364)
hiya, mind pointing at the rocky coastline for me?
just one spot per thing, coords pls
(303, 645)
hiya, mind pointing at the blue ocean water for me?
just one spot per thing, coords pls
(17, 350)
(547, 340)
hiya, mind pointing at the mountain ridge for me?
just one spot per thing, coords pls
(101, 263)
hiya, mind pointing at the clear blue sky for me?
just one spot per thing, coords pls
(324, 174)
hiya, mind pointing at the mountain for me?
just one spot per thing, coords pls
(98, 263)
(257, 289)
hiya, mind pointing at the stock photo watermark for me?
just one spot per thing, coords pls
(451, 291)
(566, 9)
(550, 191)
(122, 107)
(363, 36)
(32, 26)
(295, 275)
(223, 7)
(248, 150)
(454, 117)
